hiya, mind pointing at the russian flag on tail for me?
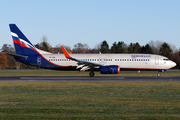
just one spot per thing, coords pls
(21, 42)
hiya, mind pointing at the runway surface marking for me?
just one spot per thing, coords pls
(84, 78)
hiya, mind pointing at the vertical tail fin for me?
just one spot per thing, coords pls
(22, 45)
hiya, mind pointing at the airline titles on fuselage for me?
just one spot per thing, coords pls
(144, 56)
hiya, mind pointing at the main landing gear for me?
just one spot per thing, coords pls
(91, 74)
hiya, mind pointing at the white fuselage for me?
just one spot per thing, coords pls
(124, 61)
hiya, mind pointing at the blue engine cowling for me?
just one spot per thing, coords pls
(110, 69)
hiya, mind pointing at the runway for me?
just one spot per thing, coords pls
(84, 78)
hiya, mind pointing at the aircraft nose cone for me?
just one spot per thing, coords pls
(173, 64)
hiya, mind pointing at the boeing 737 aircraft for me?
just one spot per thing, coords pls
(27, 53)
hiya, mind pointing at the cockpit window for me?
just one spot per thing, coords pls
(165, 59)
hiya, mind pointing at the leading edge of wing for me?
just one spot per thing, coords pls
(87, 63)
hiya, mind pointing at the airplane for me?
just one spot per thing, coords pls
(28, 54)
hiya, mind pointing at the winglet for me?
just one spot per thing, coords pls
(66, 54)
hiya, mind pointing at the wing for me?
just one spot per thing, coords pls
(84, 65)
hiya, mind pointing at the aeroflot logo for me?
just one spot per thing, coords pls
(135, 56)
(38, 60)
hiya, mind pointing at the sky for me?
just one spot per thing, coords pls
(68, 22)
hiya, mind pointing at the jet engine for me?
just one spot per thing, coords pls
(110, 69)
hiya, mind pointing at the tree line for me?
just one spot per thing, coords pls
(153, 47)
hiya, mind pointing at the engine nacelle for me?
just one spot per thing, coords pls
(110, 69)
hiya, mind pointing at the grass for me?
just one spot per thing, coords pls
(89, 100)
(76, 73)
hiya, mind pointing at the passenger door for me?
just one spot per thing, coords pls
(156, 60)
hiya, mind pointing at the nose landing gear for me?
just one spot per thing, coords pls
(158, 74)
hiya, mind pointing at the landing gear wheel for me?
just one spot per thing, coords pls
(158, 74)
(91, 74)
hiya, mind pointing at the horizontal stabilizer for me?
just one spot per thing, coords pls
(17, 56)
